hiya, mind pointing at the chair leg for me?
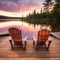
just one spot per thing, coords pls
(45, 46)
(24, 45)
(33, 42)
(11, 44)
(36, 46)
(49, 44)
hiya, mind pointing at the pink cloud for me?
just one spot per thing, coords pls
(30, 8)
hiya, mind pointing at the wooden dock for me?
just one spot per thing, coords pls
(56, 35)
(30, 53)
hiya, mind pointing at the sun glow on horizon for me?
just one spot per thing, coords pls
(10, 14)
(24, 11)
(13, 14)
(19, 8)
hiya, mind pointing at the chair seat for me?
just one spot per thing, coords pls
(18, 42)
(41, 42)
(42, 38)
(16, 37)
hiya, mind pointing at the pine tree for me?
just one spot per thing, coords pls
(47, 5)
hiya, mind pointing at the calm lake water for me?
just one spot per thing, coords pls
(26, 28)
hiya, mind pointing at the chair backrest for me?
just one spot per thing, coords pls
(43, 34)
(15, 34)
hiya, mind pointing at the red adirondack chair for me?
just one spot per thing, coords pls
(16, 38)
(42, 38)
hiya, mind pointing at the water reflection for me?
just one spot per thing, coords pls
(27, 29)
(25, 24)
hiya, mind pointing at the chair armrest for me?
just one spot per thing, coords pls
(25, 38)
(34, 38)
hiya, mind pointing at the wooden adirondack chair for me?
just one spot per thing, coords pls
(16, 38)
(42, 38)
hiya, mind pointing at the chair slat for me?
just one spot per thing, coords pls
(16, 35)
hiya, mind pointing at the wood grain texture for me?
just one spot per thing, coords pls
(30, 52)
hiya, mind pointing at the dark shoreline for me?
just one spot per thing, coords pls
(9, 20)
(2, 35)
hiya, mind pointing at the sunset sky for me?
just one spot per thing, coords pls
(17, 8)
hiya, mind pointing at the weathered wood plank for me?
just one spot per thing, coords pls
(30, 52)
(56, 35)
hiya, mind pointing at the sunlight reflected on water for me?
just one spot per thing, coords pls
(27, 29)
(24, 25)
(9, 23)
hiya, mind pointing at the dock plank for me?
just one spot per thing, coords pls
(30, 52)
(56, 35)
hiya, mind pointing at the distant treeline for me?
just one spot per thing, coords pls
(46, 16)
(2, 35)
